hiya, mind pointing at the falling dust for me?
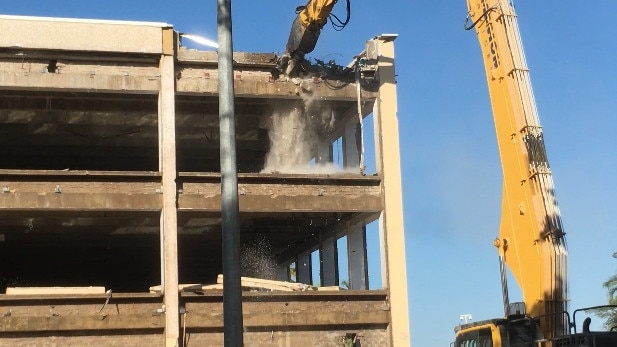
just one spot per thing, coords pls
(295, 131)
(257, 259)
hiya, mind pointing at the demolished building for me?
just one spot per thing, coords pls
(110, 228)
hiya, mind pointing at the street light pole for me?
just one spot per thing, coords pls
(232, 289)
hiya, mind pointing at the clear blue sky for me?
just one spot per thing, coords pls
(451, 170)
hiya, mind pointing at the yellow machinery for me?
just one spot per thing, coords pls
(306, 29)
(531, 238)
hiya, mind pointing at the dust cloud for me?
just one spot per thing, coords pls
(295, 131)
(257, 259)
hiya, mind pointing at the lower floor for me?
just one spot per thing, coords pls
(312, 318)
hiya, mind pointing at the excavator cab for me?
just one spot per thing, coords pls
(521, 330)
(513, 331)
(479, 334)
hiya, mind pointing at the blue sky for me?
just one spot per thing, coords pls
(451, 170)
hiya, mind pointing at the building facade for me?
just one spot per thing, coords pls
(110, 229)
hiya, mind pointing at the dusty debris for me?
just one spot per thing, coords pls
(250, 283)
(54, 290)
(258, 283)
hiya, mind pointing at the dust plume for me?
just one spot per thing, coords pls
(257, 259)
(295, 131)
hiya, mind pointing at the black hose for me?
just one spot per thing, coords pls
(478, 20)
(337, 23)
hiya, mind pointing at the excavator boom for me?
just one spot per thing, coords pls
(305, 31)
(531, 239)
(531, 242)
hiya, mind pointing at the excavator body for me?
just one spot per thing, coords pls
(531, 240)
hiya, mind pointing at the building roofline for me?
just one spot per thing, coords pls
(84, 20)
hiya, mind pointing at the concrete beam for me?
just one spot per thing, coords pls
(282, 203)
(263, 193)
(241, 59)
(289, 320)
(330, 312)
(79, 190)
(81, 34)
(294, 310)
(244, 87)
(80, 323)
(98, 198)
(54, 290)
(68, 76)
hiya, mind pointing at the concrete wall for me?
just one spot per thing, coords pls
(317, 338)
(81, 35)
(102, 340)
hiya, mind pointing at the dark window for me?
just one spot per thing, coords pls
(476, 338)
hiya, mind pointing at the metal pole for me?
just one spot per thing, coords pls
(232, 290)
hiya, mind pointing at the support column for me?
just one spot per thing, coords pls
(387, 152)
(356, 253)
(303, 268)
(282, 271)
(324, 153)
(167, 166)
(329, 262)
(351, 144)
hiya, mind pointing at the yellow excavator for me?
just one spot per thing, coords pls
(305, 31)
(531, 241)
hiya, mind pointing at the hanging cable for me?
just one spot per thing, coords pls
(336, 22)
(469, 27)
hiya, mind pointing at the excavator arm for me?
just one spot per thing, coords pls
(305, 31)
(531, 239)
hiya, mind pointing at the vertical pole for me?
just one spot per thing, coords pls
(357, 258)
(351, 146)
(304, 273)
(389, 165)
(282, 272)
(329, 262)
(167, 166)
(232, 290)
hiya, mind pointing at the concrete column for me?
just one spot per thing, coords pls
(324, 153)
(167, 166)
(282, 272)
(329, 262)
(351, 144)
(303, 268)
(356, 254)
(387, 152)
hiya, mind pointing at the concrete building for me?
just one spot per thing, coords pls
(110, 205)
